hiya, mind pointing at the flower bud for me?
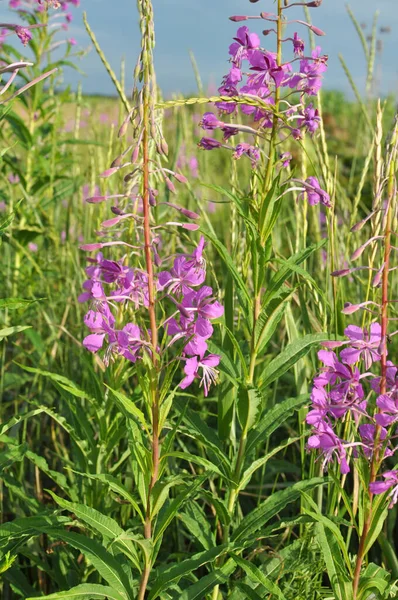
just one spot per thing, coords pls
(181, 178)
(317, 31)
(91, 247)
(237, 19)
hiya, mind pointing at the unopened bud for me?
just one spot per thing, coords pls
(317, 31)
(135, 154)
(170, 185)
(109, 172)
(180, 178)
(165, 148)
(91, 247)
(237, 18)
(314, 4)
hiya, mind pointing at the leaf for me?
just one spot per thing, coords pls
(202, 432)
(12, 330)
(108, 566)
(19, 419)
(224, 254)
(269, 211)
(198, 524)
(8, 457)
(379, 515)
(248, 407)
(168, 514)
(116, 486)
(26, 527)
(128, 407)
(268, 321)
(14, 303)
(334, 564)
(85, 591)
(292, 354)
(65, 383)
(257, 576)
(334, 529)
(102, 524)
(186, 567)
(272, 419)
(198, 590)
(253, 521)
(198, 460)
(277, 281)
(257, 464)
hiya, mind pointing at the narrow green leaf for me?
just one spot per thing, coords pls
(257, 576)
(256, 519)
(108, 566)
(286, 359)
(7, 331)
(102, 524)
(186, 567)
(272, 419)
(85, 591)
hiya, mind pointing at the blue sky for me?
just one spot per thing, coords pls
(203, 27)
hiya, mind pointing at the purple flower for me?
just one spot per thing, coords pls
(391, 381)
(325, 440)
(202, 304)
(265, 64)
(362, 344)
(310, 119)
(210, 121)
(298, 45)
(245, 43)
(390, 481)
(309, 79)
(246, 149)
(196, 260)
(24, 34)
(181, 278)
(285, 158)
(209, 143)
(195, 332)
(315, 193)
(368, 434)
(207, 366)
(389, 411)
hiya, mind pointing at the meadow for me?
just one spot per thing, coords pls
(198, 390)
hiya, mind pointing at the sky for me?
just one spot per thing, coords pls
(203, 27)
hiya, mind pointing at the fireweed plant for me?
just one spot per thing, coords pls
(169, 468)
(156, 311)
(354, 412)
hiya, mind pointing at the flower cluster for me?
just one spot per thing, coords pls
(40, 6)
(112, 284)
(339, 389)
(257, 84)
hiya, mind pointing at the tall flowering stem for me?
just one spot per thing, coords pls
(375, 464)
(275, 124)
(145, 9)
